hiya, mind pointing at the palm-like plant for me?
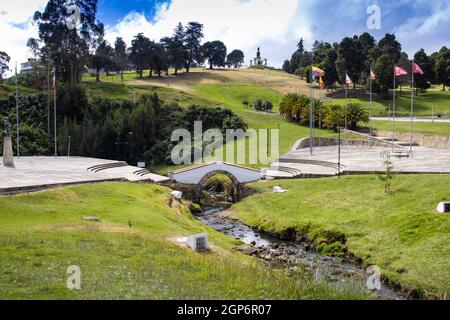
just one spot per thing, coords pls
(334, 117)
(356, 114)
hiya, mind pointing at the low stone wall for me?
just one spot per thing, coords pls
(425, 140)
(324, 142)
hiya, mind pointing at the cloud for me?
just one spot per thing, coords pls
(427, 28)
(241, 24)
(16, 27)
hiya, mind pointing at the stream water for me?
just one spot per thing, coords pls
(276, 253)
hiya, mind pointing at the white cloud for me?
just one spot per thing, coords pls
(426, 31)
(16, 27)
(239, 24)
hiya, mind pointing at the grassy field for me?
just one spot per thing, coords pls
(399, 232)
(130, 254)
(433, 100)
(7, 89)
(442, 129)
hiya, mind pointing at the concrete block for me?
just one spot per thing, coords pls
(8, 156)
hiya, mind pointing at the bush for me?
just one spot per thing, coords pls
(295, 107)
(263, 105)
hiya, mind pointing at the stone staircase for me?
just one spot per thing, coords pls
(102, 167)
(311, 162)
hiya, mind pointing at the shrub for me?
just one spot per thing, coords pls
(263, 105)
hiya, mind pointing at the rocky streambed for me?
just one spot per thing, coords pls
(294, 257)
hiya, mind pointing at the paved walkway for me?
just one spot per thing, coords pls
(44, 171)
(364, 159)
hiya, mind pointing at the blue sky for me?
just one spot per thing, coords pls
(274, 25)
(111, 11)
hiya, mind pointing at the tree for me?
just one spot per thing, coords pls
(366, 43)
(383, 57)
(329, 66)
(4, 64)
(286, 66)
(34, 48)
(160, 58)
(139, 53)
(142, 126)
(68, 49)
(178, 49)
(120, 55)
(300, 46)
(350, 60)
(215, 52)
(383, 68)
(235, 58)
(103, 59)
(442, 67)
(193, 36)
(389, 174)
(423, 81)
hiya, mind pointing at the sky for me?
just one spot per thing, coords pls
(274, 25)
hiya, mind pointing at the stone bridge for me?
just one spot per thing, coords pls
(197, 176)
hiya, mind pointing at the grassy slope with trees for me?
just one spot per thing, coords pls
(400, 232)
(130, 254)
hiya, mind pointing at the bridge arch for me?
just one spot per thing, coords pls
(236, 185)
(196, 176)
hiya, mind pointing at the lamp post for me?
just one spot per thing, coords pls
(68, 147)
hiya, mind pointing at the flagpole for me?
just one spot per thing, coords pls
(17, 116)
(320, 113)
(311, 142)
(54, 112)
(393, 113)
(412, 111)
(370, 110)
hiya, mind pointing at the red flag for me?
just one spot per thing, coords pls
(322, 84)
(399, 71)
(417, 69)
(373, 76)
(347, 79)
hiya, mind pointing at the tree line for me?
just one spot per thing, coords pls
(358, 55)
(69, 51)
(109, 129)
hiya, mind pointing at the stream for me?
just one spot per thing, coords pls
(334, 271)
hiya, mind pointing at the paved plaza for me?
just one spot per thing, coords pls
(361, 159)
(49, 171)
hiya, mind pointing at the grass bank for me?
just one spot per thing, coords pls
(130, 254)
(425, 104)
(442, 129)
(399, 232)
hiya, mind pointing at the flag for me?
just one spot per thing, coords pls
(373, 76)
(347, 79)
(417, 69)
(322, 84)
(316, 72)
(399, 71)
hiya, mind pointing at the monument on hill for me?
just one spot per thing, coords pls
(258, 61)
(8, 156)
